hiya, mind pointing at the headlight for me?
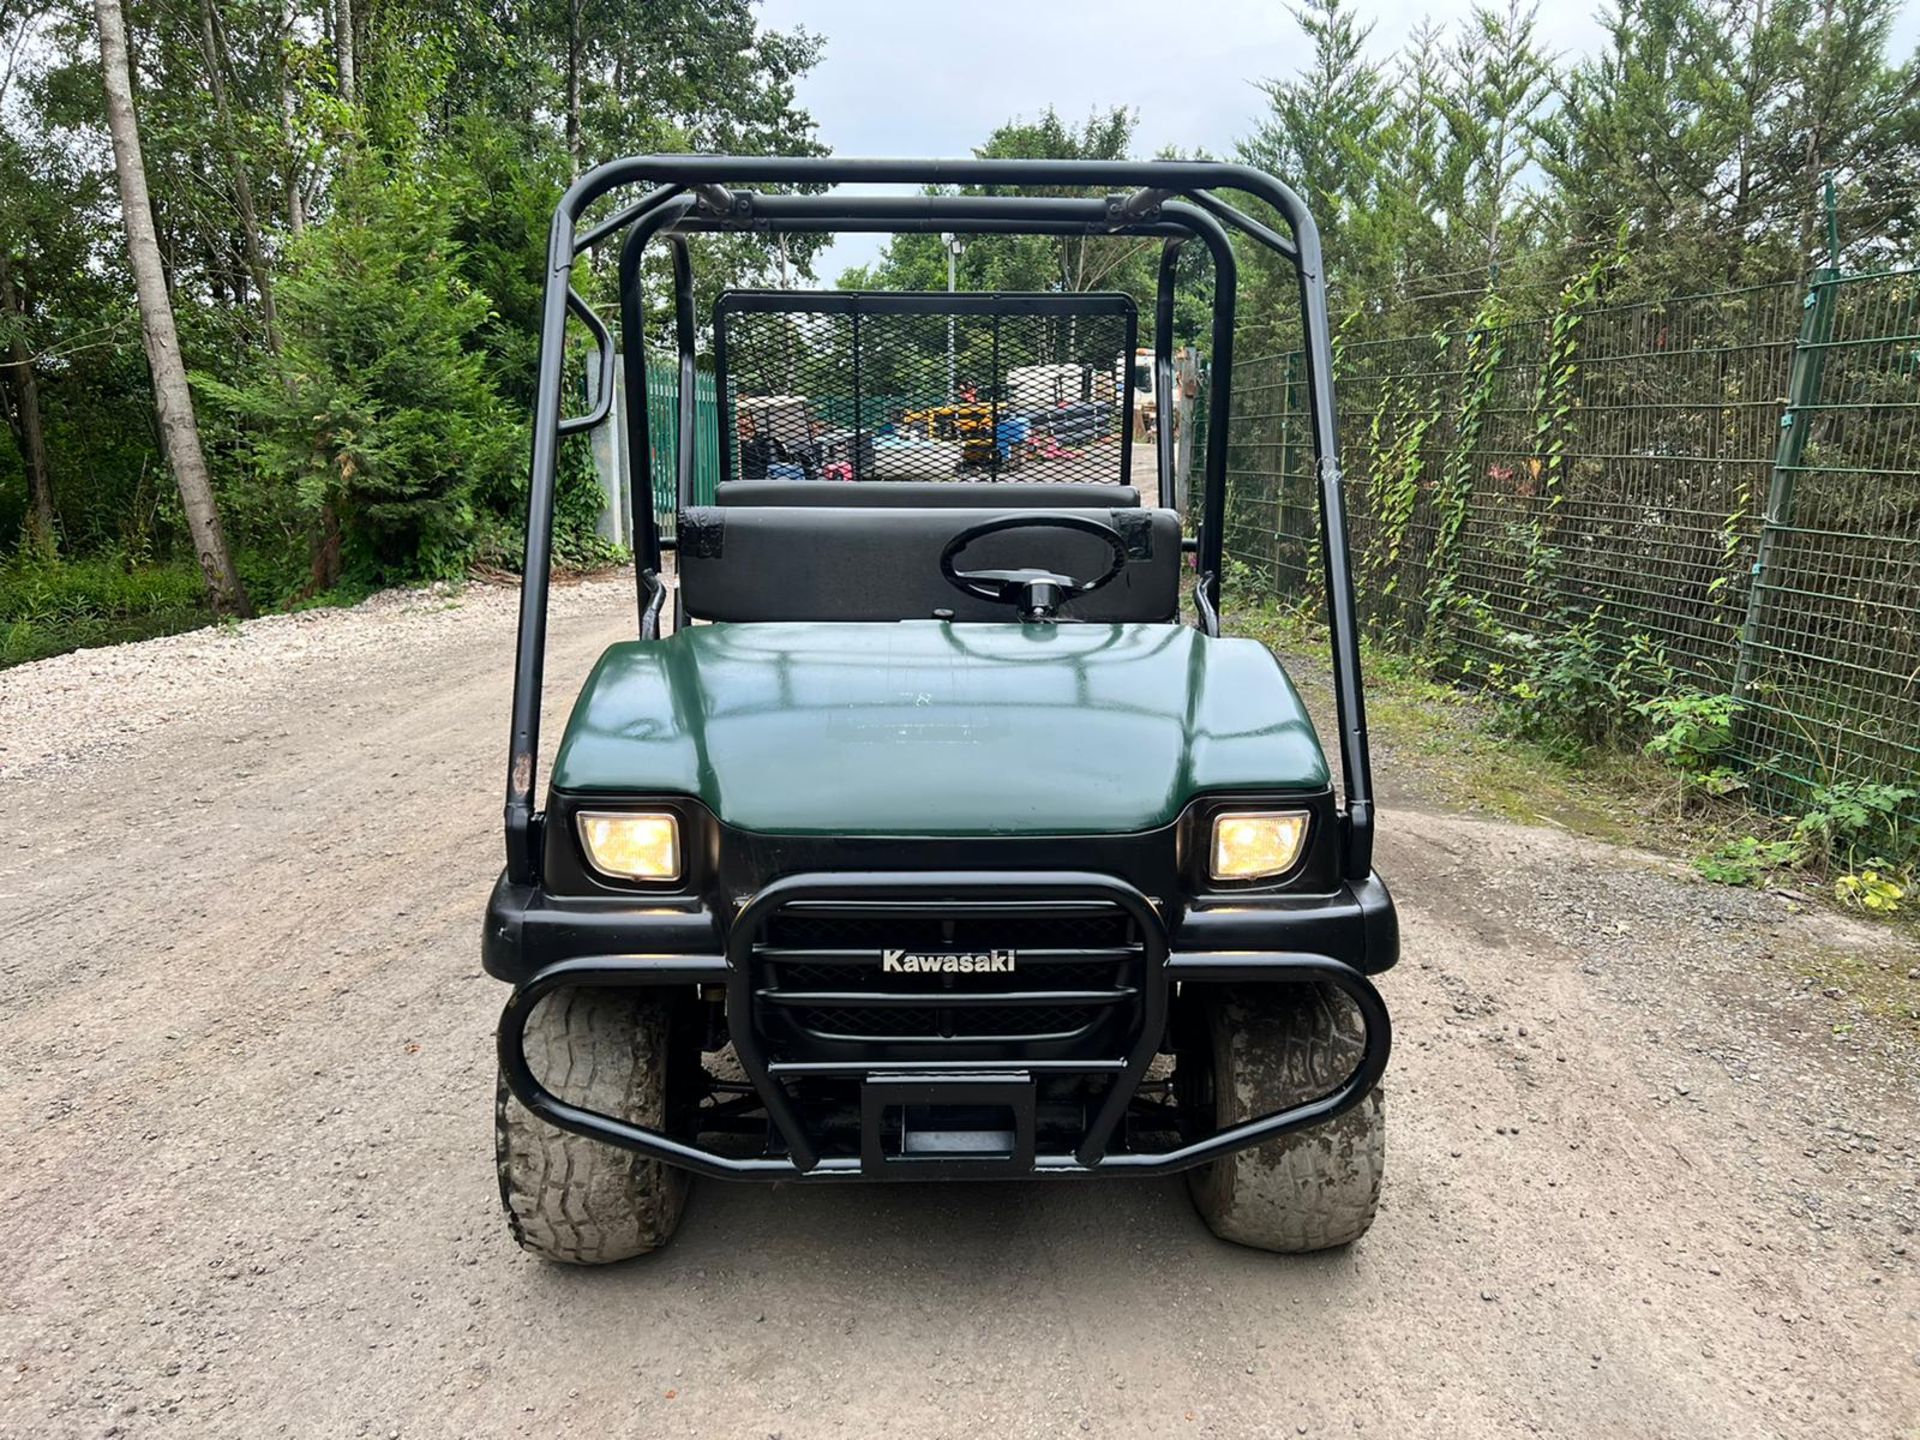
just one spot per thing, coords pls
(632, 847)
(1256, 845)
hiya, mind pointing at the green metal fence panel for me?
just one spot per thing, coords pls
(1831, 669)
(1642, 484)
(663, 426)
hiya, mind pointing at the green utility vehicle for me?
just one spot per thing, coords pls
(932, 842)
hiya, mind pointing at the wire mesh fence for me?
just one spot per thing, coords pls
(874, 387)
(1725, 485)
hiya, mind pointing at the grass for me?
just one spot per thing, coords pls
(51, 607)
(1446, 742)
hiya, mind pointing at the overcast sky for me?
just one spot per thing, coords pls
(902, 78)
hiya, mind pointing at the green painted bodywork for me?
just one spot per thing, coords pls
(929, 729)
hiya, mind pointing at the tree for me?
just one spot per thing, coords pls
(1708, 126)
(379, 426)
(21, 391)
(1856, 117)
(1027, 262)
(278, 136)
(213, 49)
(19, 384)
(173, 401)
(1501, 84)
(1082, 262)
(343, 51)
(1328, 132)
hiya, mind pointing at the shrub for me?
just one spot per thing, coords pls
(1566, 692)
(1854, 825)
(378, 425)
(1693, 734)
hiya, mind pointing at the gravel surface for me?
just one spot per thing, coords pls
(77, 706)
(1652, 1162)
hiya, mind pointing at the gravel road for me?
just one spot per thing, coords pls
(1645, 1176)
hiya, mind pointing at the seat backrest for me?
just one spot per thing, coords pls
(949, 494)
(803, 562)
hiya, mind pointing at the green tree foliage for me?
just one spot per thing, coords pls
(354, 267)
(1068, 264)
(1073, 264)
(1023, 262)
(1334, 132)
(1492, 98)
(1707, 127)
(1702, 128)
(379, 418)
(353, 250)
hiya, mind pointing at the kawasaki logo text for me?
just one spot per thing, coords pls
(977, 962)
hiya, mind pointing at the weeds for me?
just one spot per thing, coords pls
(1566, 694)
(1617, 748)
(1693, 736)
(1870, 891)
(1747, 860)
(48, 607)
(1855, 825)
(1852, 835)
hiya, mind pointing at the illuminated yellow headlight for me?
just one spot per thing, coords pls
(1257, 846)
(632, 847)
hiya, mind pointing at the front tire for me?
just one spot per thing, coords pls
(574, 1200)
(1313, 1189)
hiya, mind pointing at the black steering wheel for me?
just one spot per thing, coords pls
(1038, 593)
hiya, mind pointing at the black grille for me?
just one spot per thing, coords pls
(959, 1022)
(819, 979)
(956, 931)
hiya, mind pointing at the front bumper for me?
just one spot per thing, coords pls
(542, 943)
(528, 930)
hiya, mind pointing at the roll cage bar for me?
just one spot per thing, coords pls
(693, 194)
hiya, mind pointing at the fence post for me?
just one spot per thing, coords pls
(1283, 525)
(1796, 425)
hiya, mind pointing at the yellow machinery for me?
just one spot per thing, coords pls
(970, 423)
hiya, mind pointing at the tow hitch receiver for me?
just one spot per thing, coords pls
(946, 1126)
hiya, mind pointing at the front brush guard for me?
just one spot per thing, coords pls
(630, 972)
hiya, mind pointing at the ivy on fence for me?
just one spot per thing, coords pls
(1578, 493)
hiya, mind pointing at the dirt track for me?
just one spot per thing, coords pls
(1636, 1185)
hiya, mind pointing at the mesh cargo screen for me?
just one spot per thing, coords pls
(870, 387)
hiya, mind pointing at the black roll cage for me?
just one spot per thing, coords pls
(693, 194)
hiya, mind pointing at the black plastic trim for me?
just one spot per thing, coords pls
(528, 930)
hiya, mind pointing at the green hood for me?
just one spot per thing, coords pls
(923, 728)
